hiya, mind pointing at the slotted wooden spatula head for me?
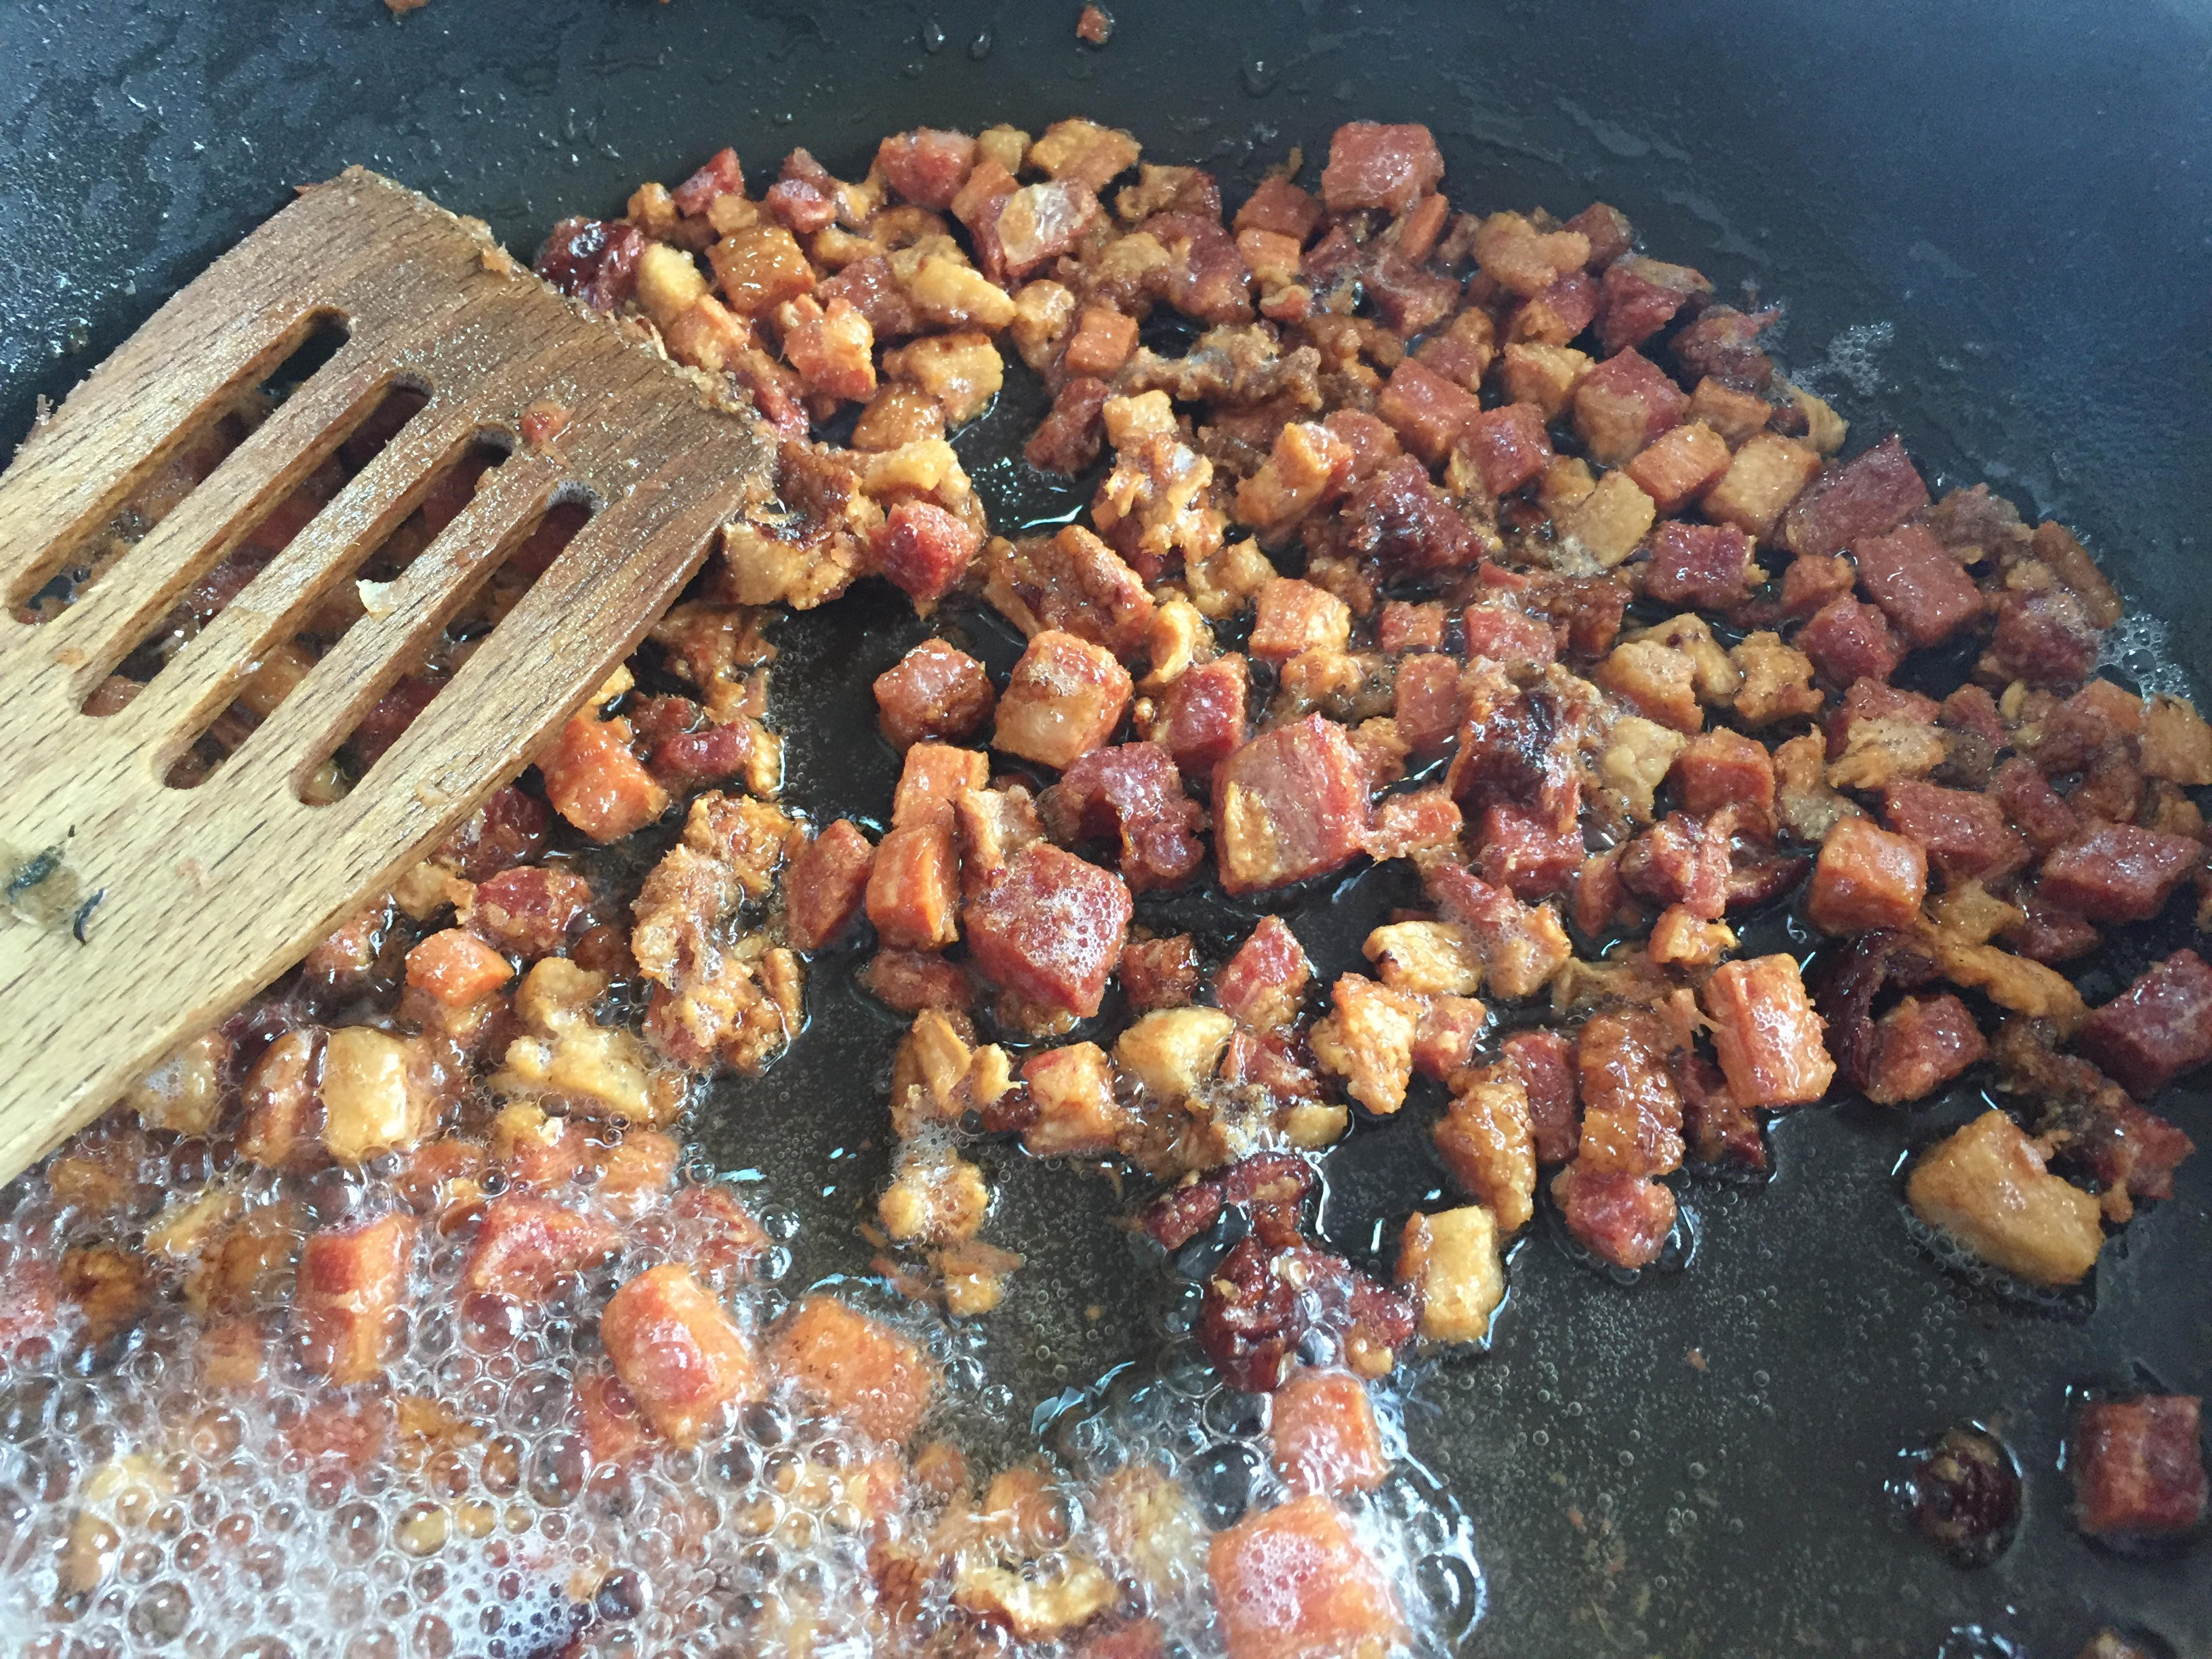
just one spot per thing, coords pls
(137, 913)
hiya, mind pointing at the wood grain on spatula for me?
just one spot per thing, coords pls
(138, 914)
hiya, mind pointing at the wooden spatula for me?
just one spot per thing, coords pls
(136, 913)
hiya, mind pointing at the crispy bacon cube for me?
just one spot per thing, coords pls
(1048, 928)
(1866, 877)
(1987, 1188)
(1964, 834)
(1631, 1111)
(529, 911)
(1200, 718)
(2138, 1467)
(1426, 703)
(1624, 404)
(454, 968)
(1289, 805)
(1293, 1580)
(2119, 871)
(1280, 208)
(1849, 641)
(1133, 791)
(1679, 464)
(1765, 1033)
(719, 176)
(351, 1287)
(923, 550)
(927, 166)
(594, 781)
(1372, 165)
(1920, 1046)
(1263, 982)
(1322, 1435)
(933, 776)
(826, 884)
(1295, 615)
(1544, 1061)
(1720, 769)
(677, 1350)
(1638, 297)
(1866, 496)
(1508, 444)
(1619, 1218)
(1923, 591)
(1427, 411)
(873, 1375)
(1522, 852)
(913, 887)
(934, 691)
(1699, 567)
(1064, 700)
(524, 1244)
(1765, 477)
(2158, 1028)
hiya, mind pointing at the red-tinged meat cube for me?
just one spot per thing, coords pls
(1463, 353)
(1697, 566)
(1765, 1033)
(595, 782)
(2046, 637)
(831, 346)
(1372, 165)
(677, 1352)
(719, 1236)
(934, 691)
(1205, 276)
(1511, 637)
(1721, 344)
(1868, 496)
(1608, 231)
(2035, 809)
(1631, 1111)
(1518, 749)
(1039, 222)
(1289, 805)
(1680, 465)
(524, 1244)
(594, 260)
(2158, 1028)
(1624, 404)
(454, 968)
(1809, 583)
(1404, 626)
(924, 551)
(1522, 853)
(1427, 411)
(1409, 298)
(1849, 641)
(913, 888)
(1199, 719)
(927, 165)
(2046, 933)
(351, 1287)
(1508, 446)
(909, 982)
(1426, 702)
(1545, 1063)
(1292, 616)
(1410, 822)
(1866, 877)
(976, 204)
(691, 758)
(1920, 1046)
(1323, 1435)
(1281, 209)
(720, 176)
(1064, 699)
(1048, 928)
(1067, 440)
(507, 829)
(871, 1374)
(1720, 769)
(1399, 518)
(872, 288)
(1723, 1129)
(1557, 313)
(529, 911)
(1159, 973)
(1639, 297)
(2138, 1467)
(1134, 793)
(826, 885)
(353, 1431)
(1103, 340)
(802, 197)
(933, 777)
(1924, 592)
(1264, 982)
(1293, 1583)
(2119, 872)
(615, 1431)
(1620, 1218)
(1765, 477)
(1965, 835)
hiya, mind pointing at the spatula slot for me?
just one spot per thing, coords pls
(285, 664)
(160, 482)
(475, 607)
(282, 519)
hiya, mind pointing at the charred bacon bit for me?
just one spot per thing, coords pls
(1264, 1308)
(1963, 1495)
(2138, 1468)
(2156, 1029)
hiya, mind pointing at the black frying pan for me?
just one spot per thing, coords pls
(1990, 229)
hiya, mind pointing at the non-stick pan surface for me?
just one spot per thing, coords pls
(1989, 227)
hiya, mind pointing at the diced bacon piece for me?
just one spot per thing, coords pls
(1075, 583)
(1293, 1580)
(1722, 344)
(1557, 313)
(2046, 637)
(1426, 702)
(1264, 982)
(1809, 583)
(1199, 719)
(1463, 353)
(1522, 946)
(913, 887)
(1401, 518)
(927, 165)
(803, 196)
(1040, 222)
(1427, 411)
(1607, 230)
(1293, 616)
(1873, 493)
(594, 781)
(2156, 1029)
(1103, 341)
(454, 968)
(677, 1352)
(1639, 297)
(351, 1287)
(1508, 444)
(1408, 297)
(978, 205)
(826, 885)
(1323, 1435)
(1765, 1033)
(832, 349)
(1307, 465)
(1050, 928)
(1620, 1218)
(1679, 464)
(872, 288)
(1624, 404)
(1132, 791)
(1372, 165)
(1522, 851)
(1367, 1039)
(1289, 805)
(911, 981)
(1965, 835)
(934, 691)
(1488, 1147)
(1544, 1061)
(1409, 823)
(1722, 1129)
(1866, 877)
(1068, 438)
(871, 1374)
(2046, 933)
(2138, 1467)
(1159, 973)
(2176, 742)
(1920, 1046)
(758, 267)
(1923, 591)
(1063, 699)
(592, 260)
(1280, 208)
(932, 778)
(2119, 872)
(529, 911)
(507, 829)
(1205, 276)
(524, 1244)
(1523, 260)
(1720, 769)
(1849, 641)
(1768, 472)
(923, 550)
(1987, 1188)
(1517, 642)
(1631, 1111)
(688, 759)
(2037, 809)
(719, 176)
(1406, 626)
